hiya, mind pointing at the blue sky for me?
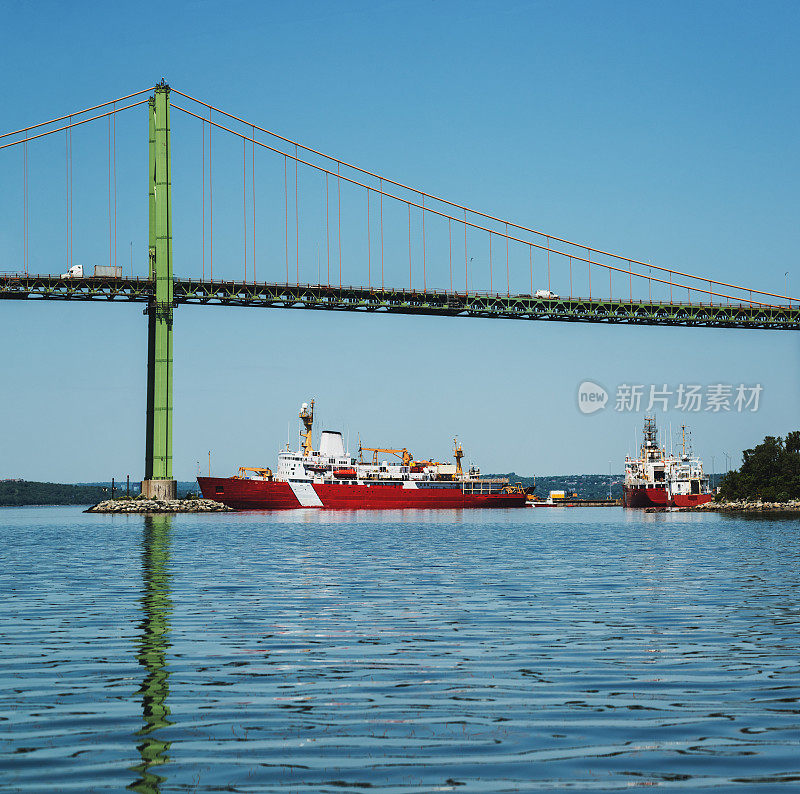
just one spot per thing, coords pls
(664, 131)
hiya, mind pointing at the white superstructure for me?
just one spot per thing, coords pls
(657, 470)
(331, 463)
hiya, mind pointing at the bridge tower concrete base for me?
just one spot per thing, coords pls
(158, 481)
(163, 490)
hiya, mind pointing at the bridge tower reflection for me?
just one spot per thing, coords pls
(153, 646)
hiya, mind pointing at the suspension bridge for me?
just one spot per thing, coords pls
(391, 233)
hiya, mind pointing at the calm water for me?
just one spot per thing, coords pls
(585, 649)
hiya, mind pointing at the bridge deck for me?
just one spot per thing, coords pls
(398, 301)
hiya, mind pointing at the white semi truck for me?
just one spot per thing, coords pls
(106, 271)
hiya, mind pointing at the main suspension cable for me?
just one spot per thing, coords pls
(77, 113)
(471, 224)
(478, 213)
(71, 124)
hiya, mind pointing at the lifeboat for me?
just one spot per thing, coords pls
(345, 474)
(316, 468)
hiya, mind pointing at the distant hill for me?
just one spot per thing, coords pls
(17, 493)
(21, 492)
(587, 486)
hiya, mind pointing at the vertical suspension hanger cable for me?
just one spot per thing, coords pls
(114, 123)
(71, 189)
(491, 287)
(26, 255)
(66, 196)
(450, 244)
(548, 264)
(410, 282)
(369, 248)
(466, 263)
(339, 199)
(27, 215)
(530, 258)
(570, 278)
(589, 268)
(28, 212)
(508, 277)
(210, 199)
(297, 213)
(630, 277)
(244, 203)
(327, 229)
(381, 199)
(25, 206)
(110, 235)
(203, 191)
(424, 275)
(286, 212)
(253, 175)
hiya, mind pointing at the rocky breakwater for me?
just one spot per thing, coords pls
(142, 505)
(747, 507)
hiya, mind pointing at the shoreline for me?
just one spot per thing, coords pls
(792, 506)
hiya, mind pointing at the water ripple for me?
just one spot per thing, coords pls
(582, 649)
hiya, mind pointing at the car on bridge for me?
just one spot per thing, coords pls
(544, 293)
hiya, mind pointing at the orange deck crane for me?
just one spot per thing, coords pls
(403, 454)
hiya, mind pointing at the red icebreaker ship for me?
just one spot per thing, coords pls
(329, 477)
(658, 479)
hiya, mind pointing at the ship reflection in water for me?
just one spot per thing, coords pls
(152, 656)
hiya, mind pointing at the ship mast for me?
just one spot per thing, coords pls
(307, 417)
(650, 442)
(458, 454)
(684, 454)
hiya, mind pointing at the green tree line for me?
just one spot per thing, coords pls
(22, 492)
(770, 471)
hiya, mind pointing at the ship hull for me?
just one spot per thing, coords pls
(658, 497)
(243, 494)
(691, 500)
(645, 497)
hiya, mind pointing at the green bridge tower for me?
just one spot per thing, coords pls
(158, 481)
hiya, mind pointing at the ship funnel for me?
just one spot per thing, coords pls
(331, 444)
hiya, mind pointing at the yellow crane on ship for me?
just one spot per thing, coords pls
(408, 458)
(403, 454)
